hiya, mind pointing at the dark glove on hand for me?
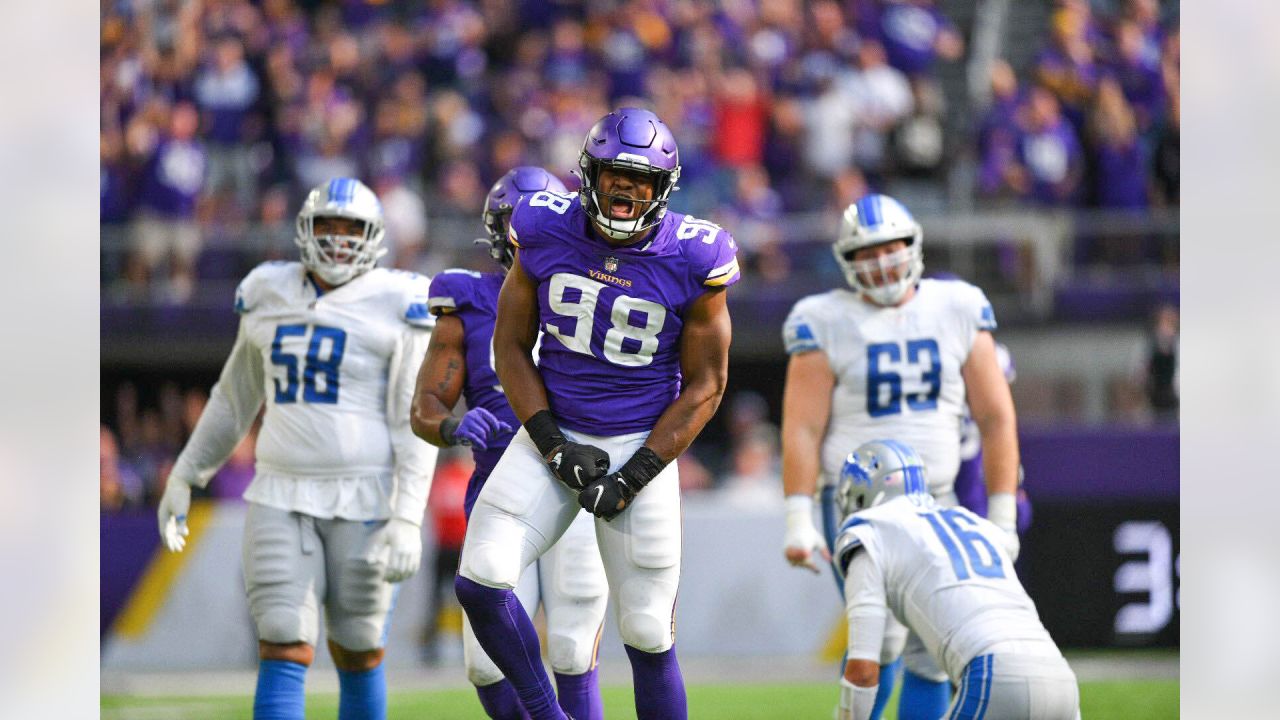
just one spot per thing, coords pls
(575, 464)
(613, 493)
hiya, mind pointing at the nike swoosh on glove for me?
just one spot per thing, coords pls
(579, 465)
(478, 427)
(608, 496)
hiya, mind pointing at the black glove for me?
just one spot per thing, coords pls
(575, 464)
(613, 493)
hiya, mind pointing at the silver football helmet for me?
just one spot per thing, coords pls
(877, 471)
(874, 220)
(339, 258)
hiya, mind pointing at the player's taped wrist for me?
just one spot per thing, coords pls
(643, 467)
(545, 433)
(856, 701)
(1002, 510)
(448, 427)
(799, 507)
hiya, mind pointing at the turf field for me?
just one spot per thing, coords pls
(1121, 700)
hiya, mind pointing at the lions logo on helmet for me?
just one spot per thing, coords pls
(875, 220)
(338, 258)
(501, 201)
(878, 471)
(628, 140)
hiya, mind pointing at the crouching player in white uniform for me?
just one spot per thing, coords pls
(632, 305)
(569, 580)
(892, 356)
(944, 573)
(332, 345)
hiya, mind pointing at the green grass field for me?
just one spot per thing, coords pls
(1121, 700)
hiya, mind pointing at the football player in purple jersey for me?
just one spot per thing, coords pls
(569, 580)
(630, 301)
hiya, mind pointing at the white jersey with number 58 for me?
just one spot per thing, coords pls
(897, 369)
(336, 372)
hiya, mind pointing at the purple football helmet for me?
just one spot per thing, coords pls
(501, 201)
(636, 141)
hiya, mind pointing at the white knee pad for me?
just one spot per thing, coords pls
(574, 593)
(646, 614)
(282, 626)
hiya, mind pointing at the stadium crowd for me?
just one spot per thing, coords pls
(216, 115)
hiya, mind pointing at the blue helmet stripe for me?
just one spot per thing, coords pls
(342, 190)
(869, 208)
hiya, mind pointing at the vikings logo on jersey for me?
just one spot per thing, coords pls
(612, 316)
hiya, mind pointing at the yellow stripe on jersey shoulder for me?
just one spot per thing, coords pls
(511, 236)
(722, 274)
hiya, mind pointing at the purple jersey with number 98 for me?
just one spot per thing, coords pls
(611, 317)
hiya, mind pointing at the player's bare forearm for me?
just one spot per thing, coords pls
(514, 336)
(1000, 454)
(806, 407)
(440, 380)
(991, 403)
(704, 364)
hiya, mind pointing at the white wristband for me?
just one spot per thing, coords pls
(800, 505)
(1002, 509)
(856, 702)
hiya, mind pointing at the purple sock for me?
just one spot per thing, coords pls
(658, 684)
(500, 701)
(507, 634)
(580, 695)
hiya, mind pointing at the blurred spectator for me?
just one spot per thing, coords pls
(1168, 158)
(998, 133)
(1139, 75)
(406, 220)
(1161, 366)
(165, 230)
(741, 117)
(1066, 67)
(119, 485)
(694, 476)
(1049, 163)
(755, 480)
(1120, 172)
(882, 97)
(226, 92)
(915, 33)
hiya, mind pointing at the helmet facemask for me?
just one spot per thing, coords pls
(339, 257)
(497, 224)
(885, 278)
(646, 213)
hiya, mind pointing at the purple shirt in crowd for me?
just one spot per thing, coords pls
(611, 317)
(1051, 157)
(173, 179)
(908, 33)
(472, 297)
(1121, 175)
(227, 98)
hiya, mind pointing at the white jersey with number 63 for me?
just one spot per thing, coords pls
(897, 370)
